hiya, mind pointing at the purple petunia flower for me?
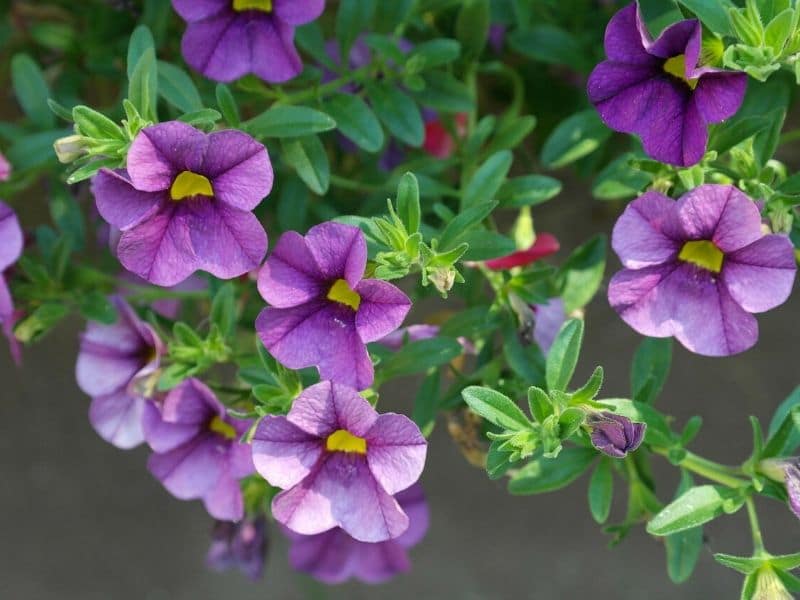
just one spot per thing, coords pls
(339, 463)
(11, 244)
(793, 486)
(184, 203)
(323, 313)
(698, 267)
(197, 453)
(241, 545)
(113, 362)
(334, 557)
(615, 435)
(227, 39)
(548, 319)
(657, 89)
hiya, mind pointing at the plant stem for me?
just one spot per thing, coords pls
(758, 540)
(709, 469)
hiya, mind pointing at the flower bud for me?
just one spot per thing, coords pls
(69, 149)
(785, 470)
(241, 545)
(615, 435)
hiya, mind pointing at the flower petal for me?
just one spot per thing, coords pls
(325, 407)
(11, 239)
(719, 95)
(121, 204)
(622, 94)
(160, 152)
(197, 10)
(722, 214)
(414, 504)
(396, 451)
(647, 232)
(760, 276)
(626, 37)
(224, 500)
(283, 453)
(189, 471)
(275, 59)
(290, 276)
(218, 47)
(298, 12)
(161, 435)
(339, 250)
(673, 132)
(239, 169)
(117, 418)
(383, 309)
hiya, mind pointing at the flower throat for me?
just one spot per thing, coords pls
(676, 66)
(704, 254)
(243, 5)
(188, 184)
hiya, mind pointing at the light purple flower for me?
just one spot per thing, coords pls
(412, 333)
(184, 203)
(5, 168)
(323, 313)
(339, 463)
(113, 363)
(698, 267)
(227, 39)
(657, 89)
(615, 435)
(793, 486)
(548, 319)
(241, 545)
(11, 244)
(334, 557)
(197, 453)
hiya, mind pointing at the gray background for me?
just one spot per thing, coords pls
(80, 519)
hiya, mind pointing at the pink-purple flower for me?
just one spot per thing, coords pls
(183, 203)
(11, 244)
(322, 312)
(659, 91)
(5, 168)
(197, 449)
(339, 463)
(114, 363)
(793, 486)
(334, 557)
(696, 268)
(227, 39)
(241, 545)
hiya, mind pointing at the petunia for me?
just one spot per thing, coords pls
(11, 244)
(228, 39)
(323, 313)
(543, 246)
(615, 435)
(659, 90)
(786, 471)
(548, 319)
(334, 557)
(339, 463)
(114, 363)
(183, 203)
(698, 267)
(241, 545)
(197, 452)
(422, 331)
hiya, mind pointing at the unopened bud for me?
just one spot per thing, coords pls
(615, 435)
(69, 149)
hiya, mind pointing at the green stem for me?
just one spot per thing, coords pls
(758, 540)
(713, 471)
(789, 136)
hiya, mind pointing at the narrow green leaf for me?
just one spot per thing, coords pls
(308, 158)
(563, 355)
(496, 408)
(227, 105)
(694, 507)
(177, 88)
(549, 474)
(398, 112)
(143, 85)
(31, 91)
(408, 208)
(487, 179)
(289, 122)
(601, 490)
(141, 41)
(650, 368)
(575, 137)
(355, 120)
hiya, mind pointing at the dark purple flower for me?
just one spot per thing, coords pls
(323, 313)
(698, 267)
(339, 463)
(615, 435)
(114, 363)
(241, 545)
(184, 203)
(11, 244)
(657, 89)
(197, 453)
(334, 557)
(227, 39)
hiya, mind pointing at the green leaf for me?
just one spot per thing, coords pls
(352, 18)
(549, 474)
(472, 26)
(743, 564)
(550, 44)
(650, 368)
(496, 408)
(143, 85)
(576, 137)
(445, 93)
(177, 88)
(289, 122)
(426, 402)
(31, 91)
(94, 124)
(398, 112)
(227, 105)
(539, 403)
(683, 548)
(563, 355)
(528, 190)
(308, 158)
(487, 179)
(601, 490)
(95, 306)
(223, 309)
(458, 226)
(355, 120)
(293, 200)
(713, 14)
(695, 507)
(484, 245)
(791, 443)
(419, 356)
(497, 463)
(590, 389)
(620, 180)
(205, 117)
(582, 273)
(408, 208)
(141, 41)
(435, 53)
(785, 439)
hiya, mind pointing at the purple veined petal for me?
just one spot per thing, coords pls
(240, 457)
(674, 132)
(648, 232)
(377, 563)
(117, 418)
(239, 169)
(793, 488)
(284, 454)
(303, 508)
(413, 502)
(719, 95)
(325, 407)
(290, 276)
(396, 451)
(760, 276)
(161, 152)
(11, 238)
(722, 214)
(159, 250)
(382, 310)
(191, 403)
(683, 37)
(6, 302)
(163, 436)
(275, 59)
(190, 471)
(636, 296)
(197, 10)
(339, 250)
(121, 204)
(326, 556)
(626, 37)
(298, 12)
(224, 500)
(549, 318)
(412, 333)
(218, 47)
(622, 93)
(225, 241)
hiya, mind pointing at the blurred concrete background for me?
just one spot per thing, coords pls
(80, 519)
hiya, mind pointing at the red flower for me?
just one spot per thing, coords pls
(545, 245)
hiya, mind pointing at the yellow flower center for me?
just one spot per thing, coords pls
(342, 293)
(217, 425)
(262, 5)
(703, 254)
(344, 441)
(676, 66)
(189, 184)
